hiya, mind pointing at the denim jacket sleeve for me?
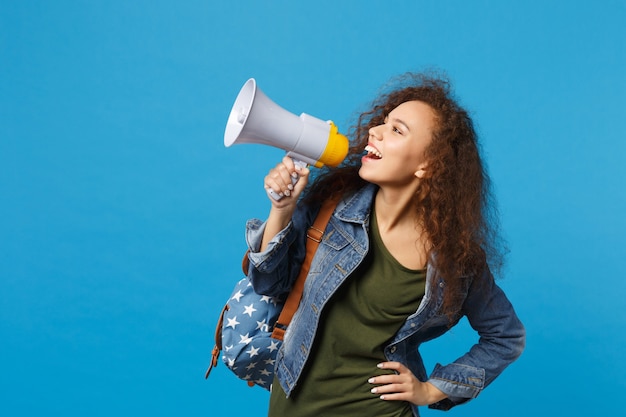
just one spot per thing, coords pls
(273, 271)
(502, 339)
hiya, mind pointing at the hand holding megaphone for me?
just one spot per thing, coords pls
(286, 179)
(254, 118)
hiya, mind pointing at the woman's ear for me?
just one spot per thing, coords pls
(421, 171)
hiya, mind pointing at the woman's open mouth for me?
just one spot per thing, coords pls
(372, 152)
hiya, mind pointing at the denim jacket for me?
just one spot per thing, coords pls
(343, 247)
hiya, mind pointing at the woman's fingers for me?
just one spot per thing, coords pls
(401, 386)
(286, 178)
(279, 179)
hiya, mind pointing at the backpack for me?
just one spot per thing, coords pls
(251, 327)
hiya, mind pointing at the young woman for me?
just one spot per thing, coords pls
(406, 254)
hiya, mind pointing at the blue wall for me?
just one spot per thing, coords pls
(122, 214)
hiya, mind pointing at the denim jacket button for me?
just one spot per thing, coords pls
(393, 349)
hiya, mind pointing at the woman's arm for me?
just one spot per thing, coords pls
(274, 258)
(502, 339)
(279, 180)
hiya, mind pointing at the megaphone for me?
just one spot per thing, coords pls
(254, 118)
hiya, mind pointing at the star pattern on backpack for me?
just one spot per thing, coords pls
(249, 350)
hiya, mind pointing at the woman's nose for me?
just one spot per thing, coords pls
(375, 133)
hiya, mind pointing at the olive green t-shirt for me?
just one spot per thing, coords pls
(359, 320)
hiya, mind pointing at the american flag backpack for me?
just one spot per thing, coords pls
(251, 326)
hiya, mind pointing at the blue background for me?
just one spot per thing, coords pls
(122, 213)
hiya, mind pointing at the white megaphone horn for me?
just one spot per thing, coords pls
(255, 118)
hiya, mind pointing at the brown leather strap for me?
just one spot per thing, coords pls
(215, 354)
(314, 237)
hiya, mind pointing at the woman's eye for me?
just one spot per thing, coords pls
(396, 130)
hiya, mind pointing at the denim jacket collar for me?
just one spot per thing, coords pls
(357, 208)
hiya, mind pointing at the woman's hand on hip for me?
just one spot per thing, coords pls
(404, 386)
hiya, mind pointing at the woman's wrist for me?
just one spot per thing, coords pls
(434, 394)
(277, 220)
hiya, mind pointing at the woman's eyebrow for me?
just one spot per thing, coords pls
(399, 121)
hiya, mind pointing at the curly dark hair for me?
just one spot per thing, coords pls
(454, 202)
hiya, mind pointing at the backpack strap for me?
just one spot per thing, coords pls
(215, 354)
(314, 237)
